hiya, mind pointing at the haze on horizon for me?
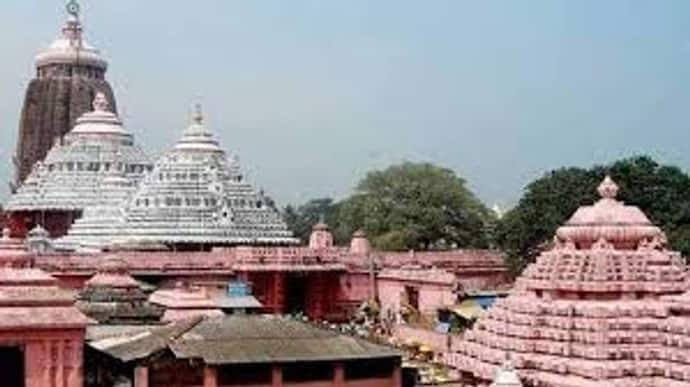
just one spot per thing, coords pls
(313, 94)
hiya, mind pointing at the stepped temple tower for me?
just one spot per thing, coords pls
(68, 75)
(195, 198)
(606, 307)
(95, 164)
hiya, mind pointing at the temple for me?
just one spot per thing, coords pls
(604, 307)
(96, 164)
(68, 75)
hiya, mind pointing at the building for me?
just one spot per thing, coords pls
(69, 73)
(97, 164)
(113, 297)
(243, 351)
(41, 331)
(604, 307)
(193, 199)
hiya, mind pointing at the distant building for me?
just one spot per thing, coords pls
(240, 351)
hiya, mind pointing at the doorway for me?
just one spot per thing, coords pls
(295, 293)
(12, 366)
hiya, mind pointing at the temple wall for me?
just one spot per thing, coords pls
(481, 281)
(431, 296)
(354, 287)
(51, 357)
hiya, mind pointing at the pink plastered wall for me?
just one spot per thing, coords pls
(431, 296)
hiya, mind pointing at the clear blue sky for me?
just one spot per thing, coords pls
(312, 94)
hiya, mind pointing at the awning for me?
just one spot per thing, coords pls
(468, 309)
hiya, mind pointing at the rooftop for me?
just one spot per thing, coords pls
(242, 340)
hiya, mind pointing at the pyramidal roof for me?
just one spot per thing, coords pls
(194, 195)
(596, 310)
(78, 171)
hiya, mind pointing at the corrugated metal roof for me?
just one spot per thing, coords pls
(242, 340)
(269, 339)
(135, 345)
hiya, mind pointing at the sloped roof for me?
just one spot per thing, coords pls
(137, 344)
(241, 340)
(269, 339)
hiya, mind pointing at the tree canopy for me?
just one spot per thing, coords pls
(301, 219)
(661, 191)
(406, 206)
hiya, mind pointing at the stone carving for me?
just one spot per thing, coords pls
(596, 314)
(192, 197)
(83, 169)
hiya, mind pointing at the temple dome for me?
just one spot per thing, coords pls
(601, 308)
(91, 166)
(608, 221)
(193, 198)
(197, 137)
(71, 47)
(99, 122)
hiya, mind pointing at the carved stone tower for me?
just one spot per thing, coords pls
(68, 75)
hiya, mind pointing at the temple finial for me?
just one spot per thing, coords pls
(198, 116)
(608, 189)
(100, 103)
(72, 29)
(73, 8)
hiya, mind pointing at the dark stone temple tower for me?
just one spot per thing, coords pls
(68, 75)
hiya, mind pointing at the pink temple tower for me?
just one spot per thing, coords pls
(602, 308)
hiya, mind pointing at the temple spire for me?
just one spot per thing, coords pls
(608, 189)
(198, 115)
(72, 30)
(100, 103)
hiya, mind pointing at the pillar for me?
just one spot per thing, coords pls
(339, 375)
(316, 293)
(277, 376)
(60, 363)
(210, 377)
(278, 292)
(141, 376)
(396, 379)
(76, 371)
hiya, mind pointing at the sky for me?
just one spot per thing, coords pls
(312, 94)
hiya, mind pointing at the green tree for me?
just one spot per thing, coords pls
(301, 219)
(662, 192)
(415, 206)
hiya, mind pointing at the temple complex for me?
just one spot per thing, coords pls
(94, 165)
(181, 264)
(69, 73)
(604, 307)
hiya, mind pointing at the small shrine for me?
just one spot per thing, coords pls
(113, 297)
(185, 301)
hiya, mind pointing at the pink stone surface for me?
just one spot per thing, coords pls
(435, 289)
(596, 310)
